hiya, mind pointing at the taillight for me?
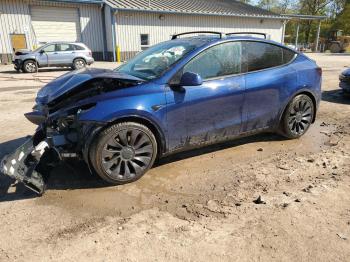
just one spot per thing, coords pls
(319, 70)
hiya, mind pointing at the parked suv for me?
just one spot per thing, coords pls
(210, 90)
(58, 54)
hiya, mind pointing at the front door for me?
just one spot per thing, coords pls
(45, 56)
(213, 110)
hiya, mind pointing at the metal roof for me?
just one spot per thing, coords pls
(202, 7)
(77, 1)
(305, 17)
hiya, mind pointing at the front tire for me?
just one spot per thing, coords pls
(297, 117)
(30, 66)
(123, 153)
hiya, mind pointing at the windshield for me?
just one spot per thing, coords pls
(154, 61)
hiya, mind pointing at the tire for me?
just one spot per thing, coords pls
(346, 94)
(123, 153)
(335, 48)
(297, 117)
(30, 66)
(78, 63)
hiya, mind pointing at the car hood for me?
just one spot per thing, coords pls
(23, 52)
(67, 83)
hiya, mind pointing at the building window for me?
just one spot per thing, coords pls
(144, 40)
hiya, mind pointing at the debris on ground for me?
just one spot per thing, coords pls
(259, 201)
(342, 236)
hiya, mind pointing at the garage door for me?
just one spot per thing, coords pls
(55, 24)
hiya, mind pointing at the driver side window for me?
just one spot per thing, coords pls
(49, 48)
(220, 60)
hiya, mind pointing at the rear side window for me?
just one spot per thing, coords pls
(220, 60)
(259, 56)
(78, 47)
(288, 55)
(64, 47)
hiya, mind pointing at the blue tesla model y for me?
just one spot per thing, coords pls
(177, 95)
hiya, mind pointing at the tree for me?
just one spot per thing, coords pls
(343, 19)
(312, 7)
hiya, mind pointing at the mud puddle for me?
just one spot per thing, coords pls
(173, 183)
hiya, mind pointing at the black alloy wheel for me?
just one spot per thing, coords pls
(123, 152)
(298, 116)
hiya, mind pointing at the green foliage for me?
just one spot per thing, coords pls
(338, 12)
(342, 21)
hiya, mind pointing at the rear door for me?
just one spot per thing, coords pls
(270, 80)
(65, 54)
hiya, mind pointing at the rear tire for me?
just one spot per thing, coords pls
(123, 153)
(297, 117)
(78, 63)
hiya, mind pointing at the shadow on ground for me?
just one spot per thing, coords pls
(336, 96)
(76, 174)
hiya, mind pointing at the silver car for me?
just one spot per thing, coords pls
(58, 54)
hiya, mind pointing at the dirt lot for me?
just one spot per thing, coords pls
(196, 206)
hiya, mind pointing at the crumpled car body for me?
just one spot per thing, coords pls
(73, 111)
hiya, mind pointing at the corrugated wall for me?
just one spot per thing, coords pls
(129, 26)
(15, 18)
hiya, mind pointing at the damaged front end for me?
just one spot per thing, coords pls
(60, 133)
(31, 163)
(56, 139)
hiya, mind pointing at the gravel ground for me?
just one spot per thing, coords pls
(195, 206)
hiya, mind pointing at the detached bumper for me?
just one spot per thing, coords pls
(29, 164)
(17, 64)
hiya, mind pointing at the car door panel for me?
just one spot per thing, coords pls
(64, 54)
(269, 81)
(264, 97)
(212, 111)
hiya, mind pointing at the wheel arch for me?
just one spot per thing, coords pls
(155, 128)
(301, 92)
(79, 57)
(31, 59)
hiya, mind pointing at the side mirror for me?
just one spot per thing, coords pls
(191, 79)
(41, 51)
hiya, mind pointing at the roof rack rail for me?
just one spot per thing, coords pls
(247, 33)
(222, 35)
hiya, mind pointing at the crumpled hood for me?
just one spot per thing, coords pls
(23, 52)
(69, 81)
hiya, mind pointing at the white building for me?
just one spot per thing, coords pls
(136, 24)
(118, 29)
